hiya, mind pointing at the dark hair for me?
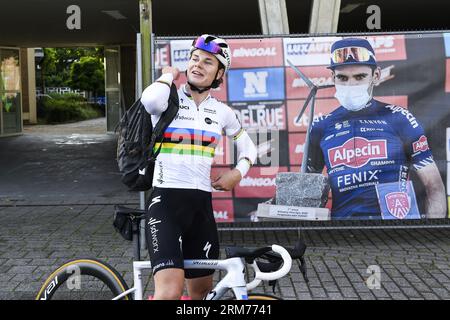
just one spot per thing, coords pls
(217, 82)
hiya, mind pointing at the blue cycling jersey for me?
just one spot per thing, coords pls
(360, 149)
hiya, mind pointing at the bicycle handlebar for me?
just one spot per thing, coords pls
(260, 276)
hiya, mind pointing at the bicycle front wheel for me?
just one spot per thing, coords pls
(262, 296)
(259, 296)
(83, 279)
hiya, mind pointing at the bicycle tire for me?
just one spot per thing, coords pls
(90, 267)
(260, 296)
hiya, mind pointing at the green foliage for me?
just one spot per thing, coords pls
(67, 108)
(57, 62)
(87, 74)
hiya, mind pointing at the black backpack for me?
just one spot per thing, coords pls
(137, 137)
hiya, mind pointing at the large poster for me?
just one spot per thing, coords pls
(266, 94)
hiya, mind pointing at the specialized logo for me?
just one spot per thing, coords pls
(357, 152)
(398, 204)
(420, 145)
(206, 248)
(154, 200)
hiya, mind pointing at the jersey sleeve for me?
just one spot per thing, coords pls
(315, 162)
(231, 124)
(412, 134)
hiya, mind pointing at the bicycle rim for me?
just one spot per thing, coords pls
(262, 296)
(89, 279)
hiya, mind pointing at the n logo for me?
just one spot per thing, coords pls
(255, 82)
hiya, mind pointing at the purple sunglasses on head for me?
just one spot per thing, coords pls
(209, 46)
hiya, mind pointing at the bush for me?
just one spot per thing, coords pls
(66, 108)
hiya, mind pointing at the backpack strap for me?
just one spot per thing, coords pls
(164, 121)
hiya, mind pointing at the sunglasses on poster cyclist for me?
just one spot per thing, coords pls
(358, 54)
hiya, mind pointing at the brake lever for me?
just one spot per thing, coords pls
(273, 284)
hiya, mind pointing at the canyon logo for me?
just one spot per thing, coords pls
(357, 152)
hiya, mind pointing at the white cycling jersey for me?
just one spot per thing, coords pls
(187, 150)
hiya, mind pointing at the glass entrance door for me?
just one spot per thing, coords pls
(10, 92)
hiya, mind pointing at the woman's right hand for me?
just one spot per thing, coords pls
(173, 70)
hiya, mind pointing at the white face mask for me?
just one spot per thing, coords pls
(353, 98)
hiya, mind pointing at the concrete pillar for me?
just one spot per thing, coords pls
(146, 19)
(324, 16)
(274, 18)
(31, 86)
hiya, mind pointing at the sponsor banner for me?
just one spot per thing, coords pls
(219, 93)
(162, 55)
(397, 204)
(223, 210)
(296, 88)
(258, 183)
(223, 155)
(308, 51)
(296, 148)
(179, 53)
(261, 114)
(447, 44)
(388, 47)
(256, 84)
(321, 107)
(447, 75)
(447, 147)
(256, 52)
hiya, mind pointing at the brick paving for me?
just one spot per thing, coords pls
(414, 263)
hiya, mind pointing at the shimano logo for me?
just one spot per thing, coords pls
(357, 152)
(412, 120)
(255, 52)
(257, 182)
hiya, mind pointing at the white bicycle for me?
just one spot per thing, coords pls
(101, 281)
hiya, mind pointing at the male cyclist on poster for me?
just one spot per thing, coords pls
(366, 143)
(180, 222)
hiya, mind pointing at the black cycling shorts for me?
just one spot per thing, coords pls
(180, 225)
